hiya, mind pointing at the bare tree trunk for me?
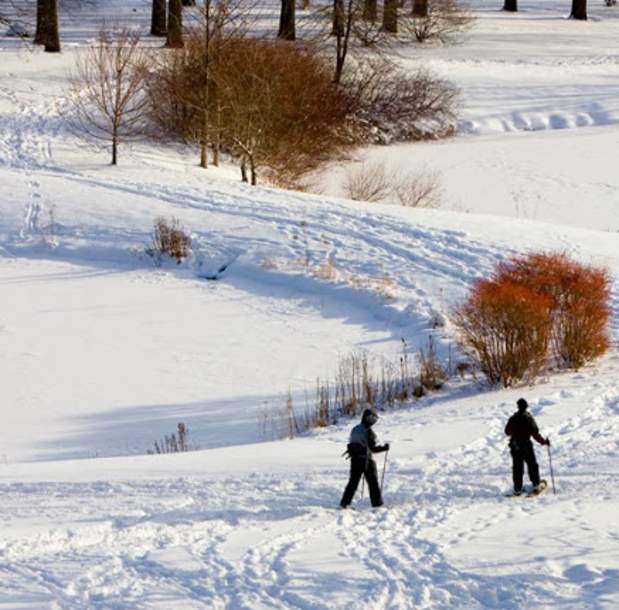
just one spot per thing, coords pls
(158, 25)
(370, 10)
(338, 18)
(47, 26)
(204, 137)
(390, 16)
(243, 171)
(511, 6)
(52, 37)
(39, 37)
(420, 8)
(343, 36)
(579, 10)
(217, 141)
(287, 20)
(189, 2)
(175, 25)
(252, 167)
(115, 145)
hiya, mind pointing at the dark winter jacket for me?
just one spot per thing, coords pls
(363, 442)
(521, 427)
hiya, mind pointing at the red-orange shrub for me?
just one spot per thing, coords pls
(506, 328)
(579, 295)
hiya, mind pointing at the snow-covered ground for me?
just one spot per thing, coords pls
(101, 353)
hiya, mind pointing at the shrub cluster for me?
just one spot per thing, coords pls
(535, 310)
(579, 296)
(275, 108)
(170, 239)
(271, 105)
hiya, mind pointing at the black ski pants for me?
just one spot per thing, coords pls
(362, 466)
(521, 453)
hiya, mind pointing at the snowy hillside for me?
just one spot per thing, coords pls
(102, 353)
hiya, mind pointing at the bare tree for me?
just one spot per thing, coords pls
(187, 75)
(174, 38)
(159, 19)
(356, 24)
(287, 20)
(344, 16)
(107, 89)
(338, 18)
(446, 20)
(219, 22)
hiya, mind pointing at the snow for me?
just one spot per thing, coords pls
(102, 353)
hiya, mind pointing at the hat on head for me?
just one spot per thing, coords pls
(522, 404)
(369, 418)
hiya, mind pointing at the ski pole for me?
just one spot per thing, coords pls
(382, 478)
(552, 475)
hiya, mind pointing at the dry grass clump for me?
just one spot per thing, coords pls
(171, 239)
(359, 382)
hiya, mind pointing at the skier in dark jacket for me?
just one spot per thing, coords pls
(360, 449)
(521, 427)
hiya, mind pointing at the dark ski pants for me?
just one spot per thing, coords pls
(520, 455)
(360, 466)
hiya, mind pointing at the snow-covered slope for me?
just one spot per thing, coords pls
(102, 353)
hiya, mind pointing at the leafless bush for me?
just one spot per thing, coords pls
(377, 182)
(419, 190)
(390, 105)
(170, 239)
(107, 89)
(368, 182)
(446, 21)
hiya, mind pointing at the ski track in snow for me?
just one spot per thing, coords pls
(147, 544)
(237, 541)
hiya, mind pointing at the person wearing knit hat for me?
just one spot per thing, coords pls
(361, 446)
(520, 428)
